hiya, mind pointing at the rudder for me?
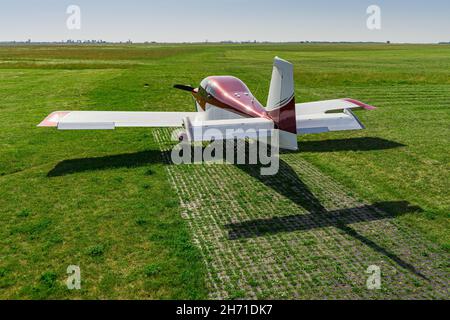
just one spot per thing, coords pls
(281, 103)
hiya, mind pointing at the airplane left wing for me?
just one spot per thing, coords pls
(108, 120)
(329, 115)
(330, 105)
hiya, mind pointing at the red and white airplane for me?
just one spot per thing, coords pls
(225, 103)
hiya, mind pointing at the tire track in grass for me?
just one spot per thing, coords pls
(298, 234)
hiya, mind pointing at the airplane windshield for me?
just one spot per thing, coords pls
(228, 84)
(210, 89)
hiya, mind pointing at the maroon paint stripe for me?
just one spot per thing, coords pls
(360, 104)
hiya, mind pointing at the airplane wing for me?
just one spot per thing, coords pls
(197, 129)
(329, 115)
(330, 105)
(108, 120)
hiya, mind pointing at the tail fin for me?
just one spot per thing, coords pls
(281, 103)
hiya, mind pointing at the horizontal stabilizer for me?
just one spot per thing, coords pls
(252, 128)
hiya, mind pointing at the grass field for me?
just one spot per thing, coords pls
(139, 227)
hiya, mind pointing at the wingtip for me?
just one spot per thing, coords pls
(360, 104)
(53, 119)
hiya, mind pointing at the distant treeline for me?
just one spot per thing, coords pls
(29, 42)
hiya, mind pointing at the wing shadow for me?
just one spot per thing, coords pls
(126, 160)
(350, 144)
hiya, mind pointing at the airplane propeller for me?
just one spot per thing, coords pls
(184, 87)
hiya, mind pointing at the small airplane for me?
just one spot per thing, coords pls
(224, 103)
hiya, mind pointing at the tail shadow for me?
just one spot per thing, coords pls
(287, 183)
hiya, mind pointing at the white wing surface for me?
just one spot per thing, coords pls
(104, 120)
(328, 115)
(252, 128)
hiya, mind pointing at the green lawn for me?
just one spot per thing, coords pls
(104, 200)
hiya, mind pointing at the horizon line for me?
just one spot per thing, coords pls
(99, 42)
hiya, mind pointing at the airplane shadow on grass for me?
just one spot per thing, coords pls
(126, 160)
(286, 183)
(142, 158)
(351, 144)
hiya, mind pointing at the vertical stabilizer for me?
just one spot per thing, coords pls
(281, 103)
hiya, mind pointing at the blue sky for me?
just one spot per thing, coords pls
(200, 20)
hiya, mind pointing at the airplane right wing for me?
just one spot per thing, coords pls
(108, 120)
(329, 115)
(196, 127)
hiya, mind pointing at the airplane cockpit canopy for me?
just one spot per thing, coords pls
(222, 85)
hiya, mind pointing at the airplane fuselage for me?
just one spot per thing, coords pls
(228, 93)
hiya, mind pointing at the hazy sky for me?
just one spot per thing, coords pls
(215, 20)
